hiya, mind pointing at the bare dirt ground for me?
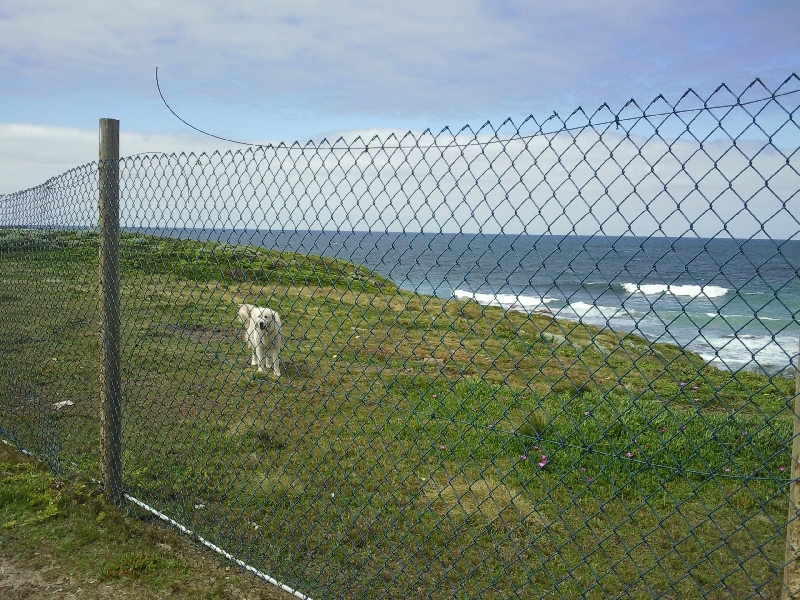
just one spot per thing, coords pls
(44, 577)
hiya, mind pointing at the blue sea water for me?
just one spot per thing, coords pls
(735, 302)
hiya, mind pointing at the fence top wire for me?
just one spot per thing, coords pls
(262, 456)
(617, 120)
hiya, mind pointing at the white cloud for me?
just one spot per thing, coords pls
(31, 154)
(414, 57)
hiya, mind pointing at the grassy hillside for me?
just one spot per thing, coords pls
(413, 443)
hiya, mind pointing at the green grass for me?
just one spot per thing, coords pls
(62, 534)
(412, 443)
(203, 261)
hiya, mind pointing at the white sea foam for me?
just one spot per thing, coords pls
(657, 289)
(590, 311)
(507, 301)
(748, 349)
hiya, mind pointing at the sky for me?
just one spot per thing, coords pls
(281, 71)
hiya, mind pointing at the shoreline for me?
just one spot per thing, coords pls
(514, 303)
(521, 304)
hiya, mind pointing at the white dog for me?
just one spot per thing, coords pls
(263, 331)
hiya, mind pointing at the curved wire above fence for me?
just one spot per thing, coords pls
(497, 362)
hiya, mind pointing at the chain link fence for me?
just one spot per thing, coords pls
(542, 360)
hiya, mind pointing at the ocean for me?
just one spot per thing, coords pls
(734, 302)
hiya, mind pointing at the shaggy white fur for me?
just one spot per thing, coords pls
(263, 331)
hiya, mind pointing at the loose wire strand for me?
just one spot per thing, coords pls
(617, 121)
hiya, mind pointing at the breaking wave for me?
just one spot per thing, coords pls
(507, 301)
(692, 291)
(584, 310)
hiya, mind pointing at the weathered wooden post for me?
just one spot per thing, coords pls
(791, 572)
(110, 372)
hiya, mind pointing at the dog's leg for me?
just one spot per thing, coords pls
(276, 363)
(268, 359)
(274, 350)
(252, 341)
(260, 357)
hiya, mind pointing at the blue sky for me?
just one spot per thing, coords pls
(294, 70)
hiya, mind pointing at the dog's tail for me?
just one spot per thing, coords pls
(244, 313)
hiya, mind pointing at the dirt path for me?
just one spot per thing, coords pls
(45, 577)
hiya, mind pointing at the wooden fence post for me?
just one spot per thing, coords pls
(791, 572)
(110, 372)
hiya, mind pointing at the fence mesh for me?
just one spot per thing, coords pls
(541, 360)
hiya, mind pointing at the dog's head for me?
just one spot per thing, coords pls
(264, 320)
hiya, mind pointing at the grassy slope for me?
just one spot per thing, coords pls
(61, 536)
(401, 449)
